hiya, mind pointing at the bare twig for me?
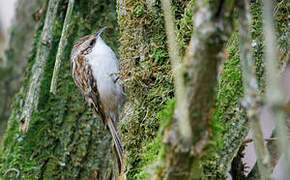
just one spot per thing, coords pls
(274, 94)
(62, 45)
(43, 50)
(274, 154)
(250, 102)
(246, 141)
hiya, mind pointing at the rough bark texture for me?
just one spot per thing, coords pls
(19, 45)
(251, 100)
(212, 28)
(147, 77)
(44, 46)
(64, 140)
(62, 44)
(230, 125)
(275, 97)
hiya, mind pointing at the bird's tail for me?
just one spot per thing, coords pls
(117, 143)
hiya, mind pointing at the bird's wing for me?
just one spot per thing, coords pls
(85, 81)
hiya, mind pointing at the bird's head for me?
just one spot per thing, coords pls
(85, 44)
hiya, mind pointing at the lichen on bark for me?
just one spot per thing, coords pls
(64, 140)
(146, 73)
(230, 124)
(19, 44)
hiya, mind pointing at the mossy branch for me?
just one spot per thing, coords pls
(272, 146)
(274, 94)
(43, 50)
(251, 98)
(185, 26)
(212, 28)
(181, 104)
(62, 45)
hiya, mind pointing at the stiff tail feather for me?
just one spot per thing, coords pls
(117, 143)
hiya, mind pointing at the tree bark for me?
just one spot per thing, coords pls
(23, 28)
(64, 140)
(146, 74)
(230, 124)
(43, 48)
(251, 98)
(212, 28)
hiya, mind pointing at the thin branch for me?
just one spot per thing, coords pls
(251, 99)
(43, 49)
(246, 141)
(181, 104)
(274, 94)
(185, 25)
(62, 45)
(272, 146)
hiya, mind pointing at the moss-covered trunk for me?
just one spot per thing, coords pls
(19, 45)
(64, 139)
(146, 73)
(230, 124)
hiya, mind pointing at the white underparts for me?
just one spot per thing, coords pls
(104, 65)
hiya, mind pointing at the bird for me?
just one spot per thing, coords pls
(95, 68)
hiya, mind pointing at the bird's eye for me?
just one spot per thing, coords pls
(92, 42)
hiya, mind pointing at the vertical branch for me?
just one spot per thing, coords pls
(274, 94)
(181, 104)
(274, 155)
(62, 45)
(43, 50)
(3, 60)
(198, 78)
(251, 100)
(212, 28)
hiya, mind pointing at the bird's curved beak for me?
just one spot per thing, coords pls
(100, 31)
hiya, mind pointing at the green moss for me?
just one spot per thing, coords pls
(138, 11)
(185, 26)
(230, 88)
(154, 150)
(257, 36)
(65, 141)
(282, 35)
(229, 123)
(179, 7)
(229, 120)
(281, 13)
(63, 137)
(10, 154)
(147, 78)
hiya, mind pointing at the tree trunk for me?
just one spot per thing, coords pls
(147, 78)
(64, 140)
(19, 45)
(187, 136)
(230, 125)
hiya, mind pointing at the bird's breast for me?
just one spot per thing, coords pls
(104, 70)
